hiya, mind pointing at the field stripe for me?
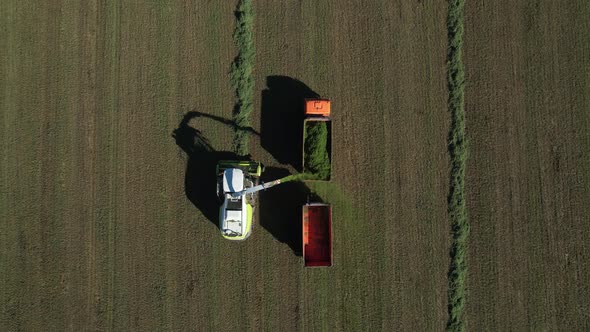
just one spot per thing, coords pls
(458, 150)
(241, 75)
(114, 94)
(9, 260)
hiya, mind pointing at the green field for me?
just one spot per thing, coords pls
(115, 113)
(528, 179)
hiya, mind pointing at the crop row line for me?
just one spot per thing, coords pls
(458, 150)
(241, 76)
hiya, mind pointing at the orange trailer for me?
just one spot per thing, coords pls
(317, 110)
(317, 107)
(317, 235)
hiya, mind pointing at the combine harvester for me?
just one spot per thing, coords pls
(237, 188)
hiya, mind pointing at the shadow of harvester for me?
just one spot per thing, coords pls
(200, 179)
(281, 209)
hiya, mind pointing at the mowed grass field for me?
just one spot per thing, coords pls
(528, 178)
(108, 216)
(383, 66)
(97, 230)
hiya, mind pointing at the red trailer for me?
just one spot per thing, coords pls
(317, 234)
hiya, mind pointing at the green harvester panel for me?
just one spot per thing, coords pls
(253, 168)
